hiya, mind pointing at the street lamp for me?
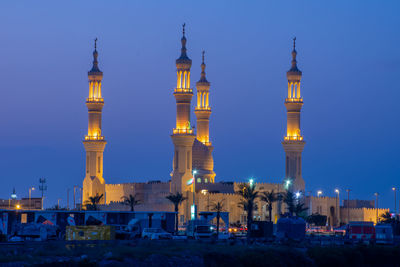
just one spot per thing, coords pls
(395, 208)
(193, 208)
(30, 192)
(319, 192)
(251, 182)
(287, 184)
(337, 204)
(297, 194)
(376, 207)
(348, 203)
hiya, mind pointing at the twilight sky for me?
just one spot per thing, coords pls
(348, 52)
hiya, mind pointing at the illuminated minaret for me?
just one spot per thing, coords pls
(202, 153)
(293, 143)
(94, 142)
(182, 136)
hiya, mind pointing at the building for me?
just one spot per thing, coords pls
(193, 164)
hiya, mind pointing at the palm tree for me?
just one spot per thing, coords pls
(218, 207)
(386, 217)
(176, 199)
(299, 209)
(131, 201)
(269, 198)
(294, 206)
(249, 195)
(92, 202)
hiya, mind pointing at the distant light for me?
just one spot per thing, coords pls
(251, 181)
(319, 193)
(337, 191)
(298, 194)
(13, 196)
(18, 206)
(394, 188)
(194, 171)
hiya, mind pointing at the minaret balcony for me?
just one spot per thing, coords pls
(202, 109)
(183, 90)
(182, 131)
(93, 138)
(95, 100)
(293, 138)
(294, 100)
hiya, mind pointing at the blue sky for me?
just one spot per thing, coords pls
(348, 52)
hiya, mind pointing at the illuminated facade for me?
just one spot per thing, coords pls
(293, 142)
(94, 141)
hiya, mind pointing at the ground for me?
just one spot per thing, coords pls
(192, 253)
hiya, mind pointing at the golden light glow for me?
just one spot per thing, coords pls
(183, 90)
(88, 137)
(294, 100)
(293, 138)
(93, 99)
(18, 206)
(183, 131)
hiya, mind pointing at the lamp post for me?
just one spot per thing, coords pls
(319, 192)
(30, 192)
(205, 192)
(395, 208)
(58, 203)
(75, 187)
(337, 203)
(348, 202)
(193, 211)
(376, 207)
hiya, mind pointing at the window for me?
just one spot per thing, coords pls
(98, 164)
(87, 164)
(205, 180)
(176, 159)
(199, 180)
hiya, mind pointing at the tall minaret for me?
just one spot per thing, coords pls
(202, 157)
(182, 136)
(94, 142)
(293, 143)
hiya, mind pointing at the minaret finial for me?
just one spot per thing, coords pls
(95, 43)
(95, 67)
(294, 43)
(203, 55)
(183, 29)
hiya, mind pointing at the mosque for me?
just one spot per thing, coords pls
(193, 164)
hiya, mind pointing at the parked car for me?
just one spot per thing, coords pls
(199, 229)
(155, 233)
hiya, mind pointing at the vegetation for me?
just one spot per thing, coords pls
(386, 218)
(131, 201)
(249, 195)
(294, 205)
(317, 219)
(217, 207)
(93, 202)
(269, 198)
(176, 199)
(170, 253)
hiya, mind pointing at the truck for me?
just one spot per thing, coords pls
(199, 229)
(360, 231)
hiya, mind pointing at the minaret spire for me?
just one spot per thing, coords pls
(95, 67)
(202, 149)
(293, 142)
(94, 142)
(182, 136)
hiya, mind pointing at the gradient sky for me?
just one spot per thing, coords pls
(348, 52)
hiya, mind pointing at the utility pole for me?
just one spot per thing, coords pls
(348, 203)
(42, 187)
(395, 208)
(67, 198)
(376, 207)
